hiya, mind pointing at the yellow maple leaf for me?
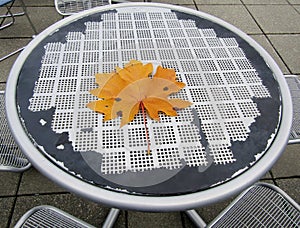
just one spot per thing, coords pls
(125, 91)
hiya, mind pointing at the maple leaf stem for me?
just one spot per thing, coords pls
(146, 128)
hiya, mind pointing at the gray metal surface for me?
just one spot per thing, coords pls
(68, 7)
(11, 157)
(261, 205)
(49, 217)
(294, 85)
(70, 49)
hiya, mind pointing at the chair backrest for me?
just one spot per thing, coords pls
(11, 157)
(294, 86)
(48, 217)
(261, 205)
(68, 7)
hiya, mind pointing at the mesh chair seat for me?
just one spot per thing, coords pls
(48, 217)
(11, 157)
(68, 7)
(261, 205)
(294, 86)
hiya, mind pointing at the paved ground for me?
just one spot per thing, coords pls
(272, 23)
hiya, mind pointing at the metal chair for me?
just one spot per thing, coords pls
(8, 4)
(11, 157)
(294, 85)
(48, 217)
(261, 205)
(68, 7)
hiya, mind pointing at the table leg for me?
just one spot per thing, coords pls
(111, 218)
(195, 218)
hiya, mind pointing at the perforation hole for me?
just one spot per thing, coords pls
(221, 154)
(209, 33)
(228, 110)
(195, 156)
(128, 55)
(184, 53)
(213, 79)
(67, 85)
(69, 71)
(168, 158)
(181, 43)
(233, 78)
(141, 161)
(142, 24)
(48, 71)
(251, 77)
(214, 42)
(189, 66)
(89, 70)
(86, 141)
(164, 135)
(129, 34)
(44, 86)
(202, 53)
(226, 64)
(213, 131)
(110, 56)
(161, 33)
(113, 162)
(128, 44)
(206, 112)
(236, 130)
(137, 137)
(208, 65)
(85, 98)
(109, 34)
(166, 54)
(145, 44)
(90, 57)
(188, 133)
(243, 64)
(141, 34)
(148, 55)
(199, 94)
(63, 102)
(176, 33)
(158, 24)
(38, 103)
(236, 52)
(170, 15)
(260, 91)
(194, 80)
(72, 57)
(193, 32)
(220, 53)
(72, 46)
(87, 119)
(184, 115)
(91, 45)
(112, 135)
(110, 44)
(240, 92)
(220, 94)
(249, 109)
(197, 42)
(62, 121)
(125, 25)
(155, 16)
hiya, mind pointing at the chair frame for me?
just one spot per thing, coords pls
(64, 216)
(7, 167)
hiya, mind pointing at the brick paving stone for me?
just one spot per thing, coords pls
(288, 47)
(6, 206)
(291, 187)
(9, 183)
(276, 18)
(287, 165)
(35, 183)
(236, 15)
(149, 220)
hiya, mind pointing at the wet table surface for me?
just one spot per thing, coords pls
(228, 138)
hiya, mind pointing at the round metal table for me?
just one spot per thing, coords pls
(233, 133)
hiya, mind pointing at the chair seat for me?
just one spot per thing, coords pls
(261, 205)
(48, 217)
(4, 2)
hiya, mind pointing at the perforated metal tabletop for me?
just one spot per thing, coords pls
(235, 130)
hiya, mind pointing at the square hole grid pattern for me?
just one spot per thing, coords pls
(221, 84)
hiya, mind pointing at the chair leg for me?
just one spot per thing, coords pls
(111, 218)
(9, 14)
(195, 218)
(26, 14)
